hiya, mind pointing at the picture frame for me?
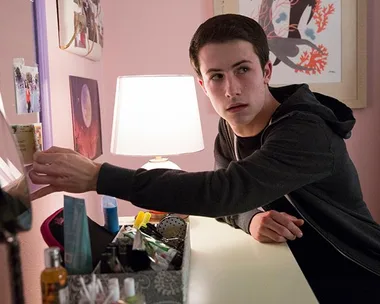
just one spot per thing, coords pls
(86, 117)
(352, 87)
(80, 24)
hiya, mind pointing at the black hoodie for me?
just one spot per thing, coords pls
(302, 155)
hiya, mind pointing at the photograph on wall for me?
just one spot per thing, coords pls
(81, 27)
(29, 140)
(86, 116)
(304, 38)
(80, 37)
(27, 88)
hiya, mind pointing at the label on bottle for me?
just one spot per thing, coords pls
(54, 293)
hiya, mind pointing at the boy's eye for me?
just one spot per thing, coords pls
(242, 70)
(216, 77)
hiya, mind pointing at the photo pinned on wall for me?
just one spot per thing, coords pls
(29, 140)
(80, 38)
(26, 79)
(81, 27)
(86, 116)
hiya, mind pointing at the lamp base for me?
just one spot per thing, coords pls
(160, 163)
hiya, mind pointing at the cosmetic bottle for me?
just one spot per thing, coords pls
(104, 263)
(123, 246)
(129, 293)
(111, 219)
(114, 262)
(113, 291)
(54, 278)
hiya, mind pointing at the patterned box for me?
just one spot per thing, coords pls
(169, 286)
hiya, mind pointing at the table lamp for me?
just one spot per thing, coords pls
(156, 115)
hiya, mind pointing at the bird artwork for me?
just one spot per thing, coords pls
(296, 12)
(288, 45)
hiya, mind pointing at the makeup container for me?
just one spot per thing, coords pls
(113, 291)
(130, 296)
(111, 219)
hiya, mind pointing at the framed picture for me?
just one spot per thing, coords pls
(81, 27)
(319, 42)
(86, 116)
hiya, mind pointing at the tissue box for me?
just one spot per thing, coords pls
(167, 286)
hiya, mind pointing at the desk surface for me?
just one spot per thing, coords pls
(228, 266)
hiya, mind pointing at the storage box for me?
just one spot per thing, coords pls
(167, 286)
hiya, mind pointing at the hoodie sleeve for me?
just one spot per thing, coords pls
(296, 152)
(223, 156)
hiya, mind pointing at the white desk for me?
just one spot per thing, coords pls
(228, 266)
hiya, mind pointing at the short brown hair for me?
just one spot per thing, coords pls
(227, 27)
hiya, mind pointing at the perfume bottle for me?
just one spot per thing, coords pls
(54, 278)
(129, 293)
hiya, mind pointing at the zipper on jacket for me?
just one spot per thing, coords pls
(330, 242)
(235, 151)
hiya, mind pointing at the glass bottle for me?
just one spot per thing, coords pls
(54, 279)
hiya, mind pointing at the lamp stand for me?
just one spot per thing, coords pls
(160, 162)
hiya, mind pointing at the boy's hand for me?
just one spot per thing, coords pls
(275, 227)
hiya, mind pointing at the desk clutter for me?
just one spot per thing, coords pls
(145, 262)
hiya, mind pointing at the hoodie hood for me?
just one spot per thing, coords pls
(299, 97)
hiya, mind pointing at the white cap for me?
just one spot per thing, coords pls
(113, 286)
(129, 287)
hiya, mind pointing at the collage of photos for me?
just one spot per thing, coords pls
(88, 23)
(26, 81)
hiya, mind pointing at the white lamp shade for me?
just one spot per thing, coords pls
(156, 115)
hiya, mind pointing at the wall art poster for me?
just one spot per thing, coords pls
(86, 116)
(304, 38)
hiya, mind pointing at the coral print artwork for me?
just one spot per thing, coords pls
(304, 38)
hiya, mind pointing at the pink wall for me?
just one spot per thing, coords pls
(365, 143)
(17, 41)
(61, 65)
(152, 37)
(19, 44)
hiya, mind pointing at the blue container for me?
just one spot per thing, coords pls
(111, 218)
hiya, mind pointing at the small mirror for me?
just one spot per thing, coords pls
(15, 205)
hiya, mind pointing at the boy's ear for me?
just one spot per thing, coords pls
(201, 83)
(268, 69)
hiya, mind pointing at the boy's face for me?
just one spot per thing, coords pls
(234, 81)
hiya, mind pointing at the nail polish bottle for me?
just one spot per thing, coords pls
(129, 293)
